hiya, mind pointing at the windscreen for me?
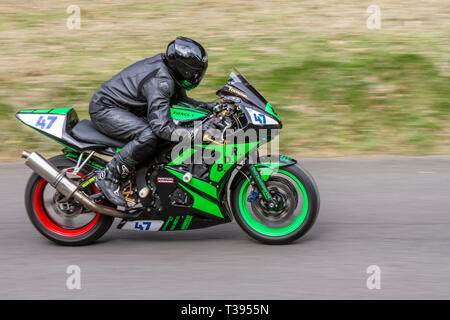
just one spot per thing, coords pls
(237, 79)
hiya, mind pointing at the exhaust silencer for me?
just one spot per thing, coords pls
(65, 186)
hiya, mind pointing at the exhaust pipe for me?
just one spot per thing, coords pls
(65, 186)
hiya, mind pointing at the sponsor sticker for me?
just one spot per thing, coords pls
(164, 180)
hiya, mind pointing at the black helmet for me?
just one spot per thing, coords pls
(187, 60)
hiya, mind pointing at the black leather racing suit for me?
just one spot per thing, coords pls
(134, 106)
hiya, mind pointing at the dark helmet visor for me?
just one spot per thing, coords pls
(192, 75)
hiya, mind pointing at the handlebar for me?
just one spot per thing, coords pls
(228, 102)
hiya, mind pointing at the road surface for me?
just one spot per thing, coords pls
(393, 213)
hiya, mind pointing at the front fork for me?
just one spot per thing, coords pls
(261, 186)
(259, 182)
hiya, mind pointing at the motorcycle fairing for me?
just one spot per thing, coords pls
(238, 86)
(57, 124)
(266, 167)
(185, 113)
(51, 122)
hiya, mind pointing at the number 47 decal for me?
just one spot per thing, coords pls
(259, 117)
(42, 123)
(143, 226)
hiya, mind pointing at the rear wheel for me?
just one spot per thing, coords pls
(296, 207)
(64, 222)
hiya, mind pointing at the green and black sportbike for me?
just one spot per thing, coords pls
(273, 198)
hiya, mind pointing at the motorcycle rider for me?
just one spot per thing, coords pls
(134, 106)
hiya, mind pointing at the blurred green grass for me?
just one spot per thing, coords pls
(340, 89)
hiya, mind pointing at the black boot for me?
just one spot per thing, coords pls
(109, 181)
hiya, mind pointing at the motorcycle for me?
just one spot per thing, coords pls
(272, 198)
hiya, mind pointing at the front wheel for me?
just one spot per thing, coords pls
(297, 206)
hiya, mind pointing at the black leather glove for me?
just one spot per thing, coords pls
(212, 128)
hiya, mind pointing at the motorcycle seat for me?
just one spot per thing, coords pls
(86, 132)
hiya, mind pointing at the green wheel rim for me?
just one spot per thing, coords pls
(263, 229)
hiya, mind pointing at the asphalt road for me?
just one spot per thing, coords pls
(390, 212)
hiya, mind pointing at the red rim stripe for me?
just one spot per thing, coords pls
(48, 223)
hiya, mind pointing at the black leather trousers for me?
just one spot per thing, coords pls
(123, 125)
